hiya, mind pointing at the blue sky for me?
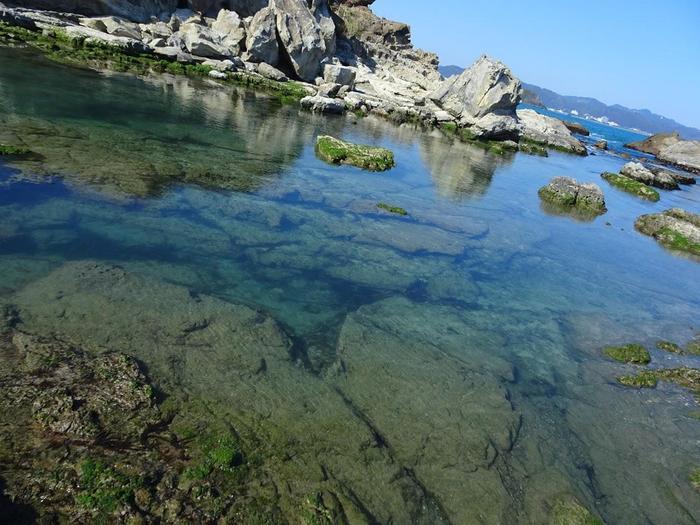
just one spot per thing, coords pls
(641, 54)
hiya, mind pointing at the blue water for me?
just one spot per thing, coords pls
(475, 323)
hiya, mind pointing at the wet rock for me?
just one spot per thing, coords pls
(336, 151)
(548, 131)
(680, 178)
(676, 229)
(632, 186)
(575, 127)
(567, 193)
(637, 171)
(670, 148)
(602, 144)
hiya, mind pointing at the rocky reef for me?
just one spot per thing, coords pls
(341, 55)
(671, 149)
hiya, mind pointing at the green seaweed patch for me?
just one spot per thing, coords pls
(695, 479)
(644, 379)
(14, 151)
(674, 240)
(568, 511)
(103, 489)
(667, 346)
(212, 454)
(530, 148)
(392, 209)
(632, 354)
(561, 149)
(314, 512)
(336, 151)
(693, 346)
(631, 186)
(463, 134)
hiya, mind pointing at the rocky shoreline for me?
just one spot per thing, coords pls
(334, 57)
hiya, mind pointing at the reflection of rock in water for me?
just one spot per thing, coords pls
(123, 136)
(413, 424)
(460, 170)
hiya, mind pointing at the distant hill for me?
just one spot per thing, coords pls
(642, 119)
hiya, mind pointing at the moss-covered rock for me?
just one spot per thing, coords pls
(565, 192)
(392, 209)
(632, 186)
(14, 151)
(644, 379)
(632, 353)
(335, 151)
(568, 511)
(667, 346)
(675, 229)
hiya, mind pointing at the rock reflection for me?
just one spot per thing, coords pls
(137, 137)
(460, 170)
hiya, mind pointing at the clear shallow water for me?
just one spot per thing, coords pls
(475, 322)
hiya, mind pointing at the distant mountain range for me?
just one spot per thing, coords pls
(641, 119)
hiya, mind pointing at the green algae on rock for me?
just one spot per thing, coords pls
(12, 151)
(695, 479)
(631, 186)
(392, 209)
(568, 511)
(631, 354)
(335, 151)
(675, 229)
(644, 379)
(667, 346)
(566, 193)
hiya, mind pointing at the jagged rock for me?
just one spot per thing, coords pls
(637, 171)
(670, 148)
(676, 229)
(495, 127)
(325, 22)
(680, 178)
(565, 192)
(136, 10)
(203, 41)
(329, 90)
(301, 37)
(336, 74)
(261, 43)
(230, 26)
(157, 30)
(126, 45)
(486, 87)
(319, 104)
(548, 131)
(114, 26)
(271, 72)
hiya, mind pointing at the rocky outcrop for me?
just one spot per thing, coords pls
(670, 148)
(637, 171)
(566, 193)
(321, 104)
(484, 97)
(301, 36)
(261, 42)
(676, 229)
(549, 131)
(136, 10)
(575, 127)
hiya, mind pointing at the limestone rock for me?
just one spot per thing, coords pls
(637, 171)
(301, 36)
(548, 130)
(669, 147)
(488, 86)
(135, 10)
(261, 43)
(114, 26)
(202, 41)
(126, 45)
(230, 26)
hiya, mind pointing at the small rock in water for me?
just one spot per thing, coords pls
(676, 229)
(632, 354)
(566, 193)
(602, 144)
(319, 104)
(637, 171)
(632, 186)
(336, 151)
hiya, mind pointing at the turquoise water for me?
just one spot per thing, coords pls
(471, 328)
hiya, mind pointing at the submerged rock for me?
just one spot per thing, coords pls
(371, 158)
(569, 194)
(637, 171)
(632, 354)
(676, 229)
(632, 186)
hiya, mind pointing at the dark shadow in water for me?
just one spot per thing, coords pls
(15, 513)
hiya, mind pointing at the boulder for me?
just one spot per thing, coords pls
(488, 86)
(575, 127)
(301, 36)
(676, 229)
(602, 144)
(126, 45)
(637, 171)
(329, 90)
(218, 75)
(114, 26)
(203, 41)
(670, 148)
(654, 144)
(319, 104)
(261, 43)
(324, 19)
(230, 26)
(548, 131)
(566, 193)
(268, 71)
(680, 178)
(337, 74)
(495, 127)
